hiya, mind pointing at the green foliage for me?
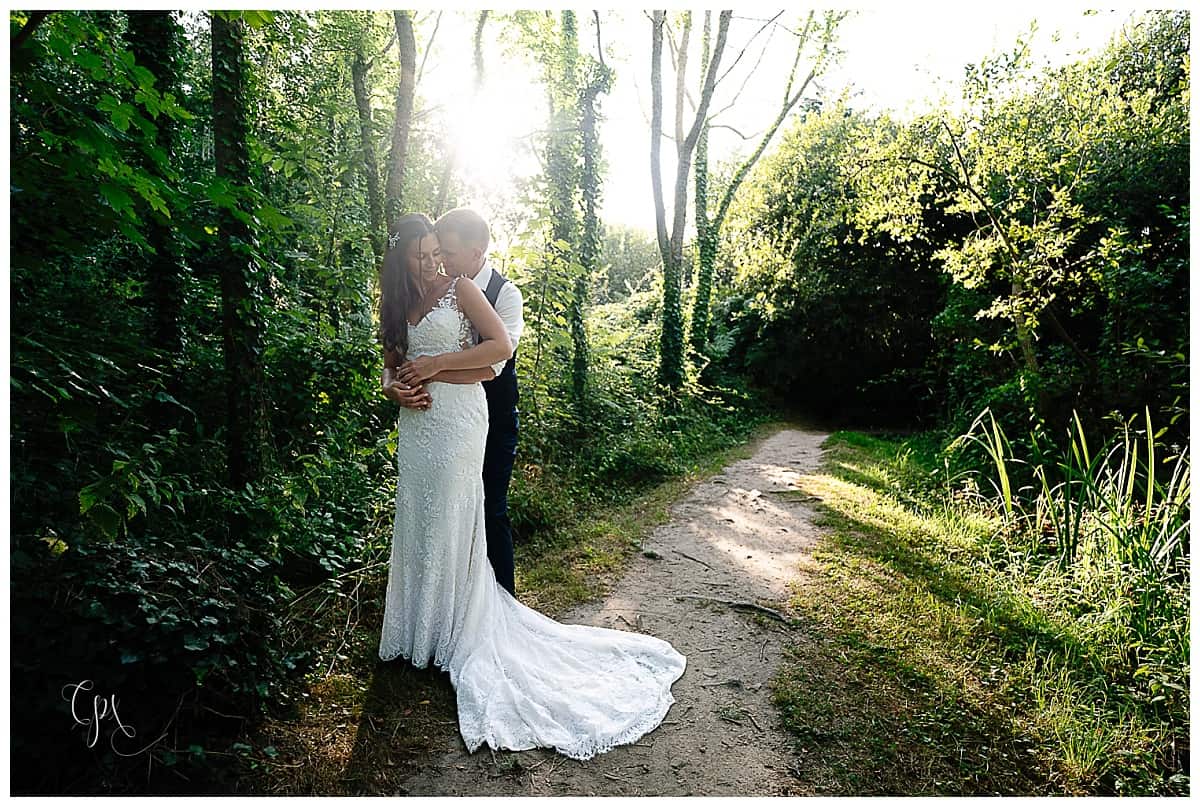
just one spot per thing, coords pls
(118, 441)
(836, 316)
(622, 440)
(629, 257)
(1012, 255)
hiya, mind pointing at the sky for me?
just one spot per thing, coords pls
(894, 58)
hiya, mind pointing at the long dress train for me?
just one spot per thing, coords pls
(522, 680)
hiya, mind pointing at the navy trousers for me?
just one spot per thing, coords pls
(498, 459)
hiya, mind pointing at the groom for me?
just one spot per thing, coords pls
(463, 239)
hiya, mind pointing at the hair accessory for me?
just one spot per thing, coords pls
(393, 240)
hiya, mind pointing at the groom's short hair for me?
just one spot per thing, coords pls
(468, 225)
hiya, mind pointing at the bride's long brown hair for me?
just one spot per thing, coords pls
(398, 289)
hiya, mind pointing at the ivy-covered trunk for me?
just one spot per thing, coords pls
(370, 164)
(671, 363)
(154, 39)
(599, 81)
(706, 249)
(562, 168)
(242, 326)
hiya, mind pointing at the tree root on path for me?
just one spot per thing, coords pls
(749, 606)
(689, 557)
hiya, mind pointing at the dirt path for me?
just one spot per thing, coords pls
(728, 539)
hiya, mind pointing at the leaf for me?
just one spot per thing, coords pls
(257, 19)
(272, 218)
(56, 545)
(116, 197)
(106, 518)
(134, 502)
(194, 642)
(89, 496)
(220, 195)
(144, 77)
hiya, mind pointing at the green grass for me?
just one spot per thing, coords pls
(929, 663)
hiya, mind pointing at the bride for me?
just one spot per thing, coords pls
(522, 680)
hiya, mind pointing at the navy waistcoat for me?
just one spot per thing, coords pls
(502, 393)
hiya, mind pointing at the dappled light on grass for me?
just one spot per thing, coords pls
(934, 625)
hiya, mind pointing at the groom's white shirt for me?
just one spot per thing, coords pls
(509, 305)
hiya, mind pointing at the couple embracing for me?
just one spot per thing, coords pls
(450, 324)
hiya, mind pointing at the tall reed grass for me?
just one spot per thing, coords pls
(1105, 533)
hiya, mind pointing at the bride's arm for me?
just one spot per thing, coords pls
(494, 347)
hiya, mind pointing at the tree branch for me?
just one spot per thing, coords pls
(709, 79)
(428, 47)
(681, 75)
(36, 18)
(730, 128)
(789, 101)
(966, 184)
(746, 80)
(388, 46)
(749, 42)
(599, 49)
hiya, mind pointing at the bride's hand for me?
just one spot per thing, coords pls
(422, 368)
(411, 397)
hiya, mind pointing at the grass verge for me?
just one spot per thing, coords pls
(923, 668)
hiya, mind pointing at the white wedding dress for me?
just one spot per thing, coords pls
(522, 680)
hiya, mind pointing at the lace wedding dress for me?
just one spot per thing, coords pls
(522, 680)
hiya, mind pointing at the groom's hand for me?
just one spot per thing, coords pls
(422, 368)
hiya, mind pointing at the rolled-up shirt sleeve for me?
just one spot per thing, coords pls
(510, 306)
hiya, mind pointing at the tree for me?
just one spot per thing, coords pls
(598, 81)
(370, 163)
(242, 328)
(154, 39)
(708, 230)
(1013, 163)
(671, 342)
(405, 90)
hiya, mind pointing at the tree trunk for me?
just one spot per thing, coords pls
(671, 343)
(698, 334)
(656, 113)
(241, 325)
(589, 249)
(36, 18)
(562, 167)
(403, 120)
(154, 39)
(370, 163)
(1025, 336)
